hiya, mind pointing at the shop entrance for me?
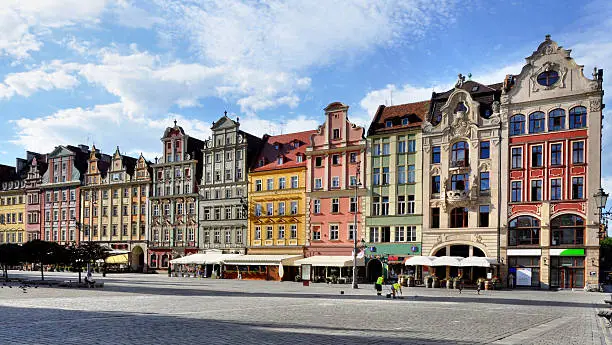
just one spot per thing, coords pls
(374, 270)
(572, 278)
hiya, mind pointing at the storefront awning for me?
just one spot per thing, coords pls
(117, 259)
(203, 259)
(419, 261)
(477, 261)
(453, 261)
(263, 260)
(329, 261)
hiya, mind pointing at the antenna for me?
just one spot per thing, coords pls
(391, 97)
(283, 123)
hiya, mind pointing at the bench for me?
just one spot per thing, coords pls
(607, 314)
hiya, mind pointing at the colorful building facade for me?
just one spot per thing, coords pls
(227, 156)
(61, 187)
(34, 203)
(277, 194)
(336, 166)
(13, 203)
(395, 196)
(174, 201)
(553, 157)
(114, 200)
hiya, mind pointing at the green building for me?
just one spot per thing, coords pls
(394, 179)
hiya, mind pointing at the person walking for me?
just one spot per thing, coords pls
(511, 281)
(378, 286)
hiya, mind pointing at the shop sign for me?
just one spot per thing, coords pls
(306, 271)
(524, 252)
(523, 276)
(393, 258)
(567, 252)
(414, 249)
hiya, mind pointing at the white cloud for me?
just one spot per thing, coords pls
(44, 78)
(278, 125)
(406, 94)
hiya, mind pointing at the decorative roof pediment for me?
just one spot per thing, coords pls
(61, 151)
(224, 123)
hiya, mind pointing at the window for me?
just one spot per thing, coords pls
(376, 206)
(484, 181)
(293, 231)
(318, 162)
(279, 160)
(269, 209)
(556, 120)
(435, 154)
(536, 156)
(353, 180)
(258, 185)
(459, 217)
(567, 230)
(460, 182)
(335, 182)
(548, 78)
(435, 184)
(217, 236)
(228, 213)
(483, 216)
(376, 149)
(411, 146)
(333, 232)
(376, 176)
(228, 193)
(555, 189)
(536, 122)
(401, 145)
(400, 234)
(228, 174)
(578, 152)
(258, 210)
(374, 235)
(524, 230)
(388, 123)
(485, 150)
(405, 121)
(294, 207)
(299, 158)
(269, 234)
(517, 191)
(410, 204)
(294, 182)
(577, 117)
(318, 183)
(228, 236)
(401, 174)
(536, 190)
(555, 154)
(411, 174)
(351, 232)
(258, 232)
(577, 187)
(336, 133)
(385, 206)
(316, 206)
(281, 232)
(335, 205)
(270, 184)
(353, 205)
(281, 208)
(385, 148)
(459, 154)
(239, 236)
(281, 183)
(335, 159)
(401, 204)
(316, 234)
(517, 157)
(517, 124)
(353, 157)
(385, 176)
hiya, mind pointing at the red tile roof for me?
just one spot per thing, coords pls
(286, 148)
(395, 113)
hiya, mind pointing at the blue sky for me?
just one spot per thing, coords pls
(117, 72)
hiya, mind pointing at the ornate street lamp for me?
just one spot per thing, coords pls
(355, 232)
(601, 198)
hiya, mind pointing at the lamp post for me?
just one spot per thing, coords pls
(601, 198)
(357, 184)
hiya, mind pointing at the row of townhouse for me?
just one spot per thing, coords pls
(504, 171)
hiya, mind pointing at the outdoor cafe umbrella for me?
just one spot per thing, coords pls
(477, 261)
(419, 261)
(453, 261)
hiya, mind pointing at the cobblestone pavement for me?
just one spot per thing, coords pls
(156, 309)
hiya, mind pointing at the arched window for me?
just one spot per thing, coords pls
(577, 117)
(547, 78)
(153, 261)
(459, 217)
(524, 231)
(164, 260)
(567, 230)
(459, 154)
(536, 122)
(517, 124)
(556, 120)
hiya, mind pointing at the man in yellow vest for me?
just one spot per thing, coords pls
(395, 289)
(378, 286)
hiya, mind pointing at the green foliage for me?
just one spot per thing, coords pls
(10, 255)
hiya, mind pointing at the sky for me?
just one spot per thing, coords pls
(118, 72)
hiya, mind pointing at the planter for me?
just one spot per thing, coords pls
(449, 284)
(428, 282)
(435, 283)
(409, 282)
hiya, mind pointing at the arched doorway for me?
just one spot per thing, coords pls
(137, 259)
(374, 270)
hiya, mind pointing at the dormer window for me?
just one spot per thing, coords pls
(279, 160)
(276, 146)
(388, 123)
(336, 133)
(405, 121)
(262, 162)
(299, 158)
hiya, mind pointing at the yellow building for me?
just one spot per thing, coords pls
(114, 206)
(277, 195)
(12, 206)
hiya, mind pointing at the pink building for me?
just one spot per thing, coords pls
(335, 160)
(36, 169)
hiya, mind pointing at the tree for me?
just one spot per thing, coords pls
(605, 257)
(10, 255)
(43, 253)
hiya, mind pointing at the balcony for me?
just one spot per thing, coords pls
(457, 195)
(460, 164)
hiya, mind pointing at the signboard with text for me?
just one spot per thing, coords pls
(523, 277)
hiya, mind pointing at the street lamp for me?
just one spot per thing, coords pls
(357, 184)
(601, 198)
